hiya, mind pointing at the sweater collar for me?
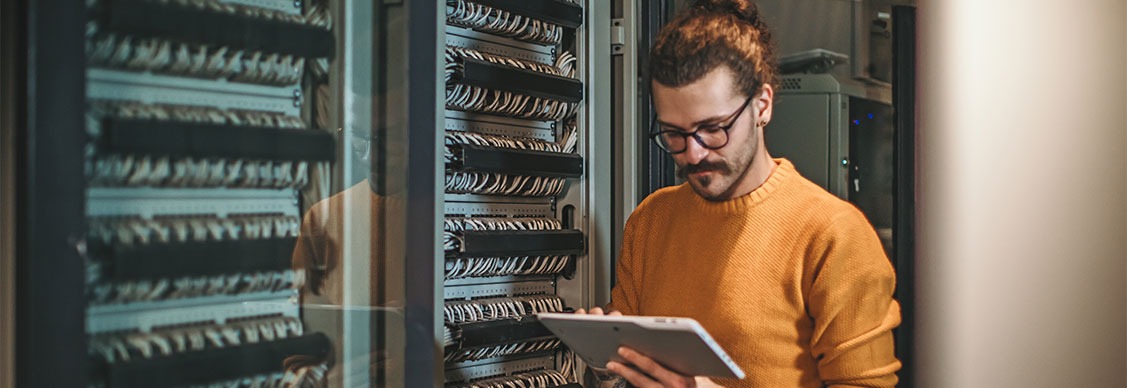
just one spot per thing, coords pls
(782, 173)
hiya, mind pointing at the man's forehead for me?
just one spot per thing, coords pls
(709, 97)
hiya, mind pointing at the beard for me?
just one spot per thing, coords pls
(725, 175)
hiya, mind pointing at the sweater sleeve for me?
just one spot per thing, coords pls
(628, 272)
(308, 253)
(850, 301)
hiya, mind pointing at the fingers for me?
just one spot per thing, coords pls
(637, 379)
(667, 377)
(598, 311)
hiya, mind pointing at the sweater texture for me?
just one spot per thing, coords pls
(790, 280)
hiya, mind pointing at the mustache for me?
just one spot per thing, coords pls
(687, 169)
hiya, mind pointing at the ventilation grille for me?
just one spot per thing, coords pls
(792, 83)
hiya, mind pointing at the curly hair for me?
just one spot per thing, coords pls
(711, 33)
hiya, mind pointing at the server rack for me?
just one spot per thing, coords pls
(521, 232)
(192, 143)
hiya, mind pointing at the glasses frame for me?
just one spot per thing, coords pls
(732, 119)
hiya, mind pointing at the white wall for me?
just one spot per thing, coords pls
(1023, 202)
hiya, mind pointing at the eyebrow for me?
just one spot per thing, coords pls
(710, 120)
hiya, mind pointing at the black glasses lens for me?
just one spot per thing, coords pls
(671, 141)
(713, 137)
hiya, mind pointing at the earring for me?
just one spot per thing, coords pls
(763, 123)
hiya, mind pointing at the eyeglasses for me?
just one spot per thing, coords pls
(712, 136)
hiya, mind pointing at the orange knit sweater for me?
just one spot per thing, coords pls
(790, 280)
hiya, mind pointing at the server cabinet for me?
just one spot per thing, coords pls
(838, 133)
(527, 185)
(334, 193)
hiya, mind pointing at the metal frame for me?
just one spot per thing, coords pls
(599, 156)
(904, 183)
(838, 183)
(628, 172)
(659, 169)
(11, 49)
(423, 281)
(50, 277)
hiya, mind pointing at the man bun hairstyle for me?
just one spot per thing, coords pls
(711, 33)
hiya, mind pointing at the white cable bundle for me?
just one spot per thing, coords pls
(149, 170)
(459, 182)
(500, 223)
(494, 21)
(481, 310)
(471, 98)
(161, 171)
(535, 379)
(454, 138)
(311, 376)
(193, 287)
(485, 352)
(164, 56)
(208, 61)
(315, 16)
(464, 267)
(452, 240)
(447, 336)
(567, 361)
(189, 114)
(462, 182)
(164, 230)
(304, 376)
(124, 347)
(267, 380)
(136, 231)
(569, 139)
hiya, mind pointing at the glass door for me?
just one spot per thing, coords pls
(233, 196)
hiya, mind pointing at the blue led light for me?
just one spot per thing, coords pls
(856, 122)
(870, 115)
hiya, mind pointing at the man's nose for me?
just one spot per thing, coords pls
(694, 151)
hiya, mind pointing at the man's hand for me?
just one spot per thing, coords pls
(597, 311)
(652, 374)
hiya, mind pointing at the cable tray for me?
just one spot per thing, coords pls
(499, 126)
(218, 364)
(212, 309)
(508, 243)
(149, 88)
(498, 290)
(285, 6)
(498, 369)
(498, 45)
(147, 202)
(496, 279)
(496, 209)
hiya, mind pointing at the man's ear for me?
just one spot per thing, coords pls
(765, 103)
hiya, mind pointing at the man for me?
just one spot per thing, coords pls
(790, 280)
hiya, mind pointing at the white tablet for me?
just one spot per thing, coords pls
(679, 344)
